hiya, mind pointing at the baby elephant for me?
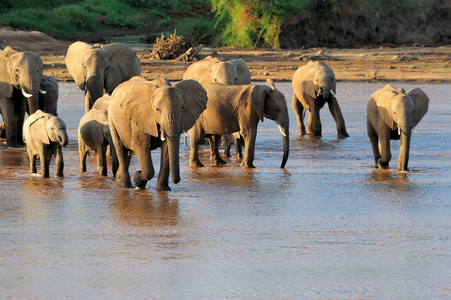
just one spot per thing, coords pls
(45, 135)
(391, 115)
(94, 135)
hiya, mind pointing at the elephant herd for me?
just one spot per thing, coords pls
(215, 101)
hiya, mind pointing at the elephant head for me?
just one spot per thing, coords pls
(99, 69)
(322, 83)
(22, 71)
(234, 72)
(48, 101)
(402, 111)
(48, 128)
(273, 107)
(162, 111)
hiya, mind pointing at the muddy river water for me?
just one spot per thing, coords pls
(327, 226)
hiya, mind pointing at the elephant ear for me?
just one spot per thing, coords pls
(123, 62)
(242, 71)
(37, 126)
(258, 99)
(421, 102)
(200, 71)
(383, 102)
(6, 88)
(139, 104)
(74, 62)
(195, 98)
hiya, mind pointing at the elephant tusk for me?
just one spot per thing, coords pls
(332, 93)
(185, 133)
(162, 137)
(414, 131)
(399, 130)
(281, 131)
(42, 91)
(319, 92)
(25, 94)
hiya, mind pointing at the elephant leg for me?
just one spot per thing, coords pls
(195, 140)
(121, 160)
(19, 117)
(299, 112)
(384, 148)
(249, 148)
(101, 160)
(372, 135)
(45, 162)
(7, 108)
(227, 146)
(83, 152)
(163, 175)
(32, 159)
(215, 158)
(338, 117)
(314, 126)
(239, 147)
(147, 171)
(59, 172)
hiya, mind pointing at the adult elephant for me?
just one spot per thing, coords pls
(391, 115)
(99, 69)
(314, 85)
(20, 79)
(231, 72)
(144, 116)
(238, 108)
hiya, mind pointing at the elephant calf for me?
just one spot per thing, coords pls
(391, 115)
(94, 135)
(45, 135)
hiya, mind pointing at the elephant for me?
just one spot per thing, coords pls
(20, 80)
(233, 108)
(94, 135)
(45, 136)
(392, 114)
(213, 70)
(144, 116)
(48, 99)
(314, 85)
(233, 139)
(102, 103)
(99, 69)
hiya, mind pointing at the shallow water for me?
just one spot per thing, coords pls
(327, 226)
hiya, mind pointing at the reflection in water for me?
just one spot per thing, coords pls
(326, 226)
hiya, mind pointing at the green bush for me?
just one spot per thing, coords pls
(196, 27)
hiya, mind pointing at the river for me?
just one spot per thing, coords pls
(328, 226)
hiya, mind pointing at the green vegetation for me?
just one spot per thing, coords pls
(238, 23)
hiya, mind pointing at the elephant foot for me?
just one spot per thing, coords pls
(382, 165)
(13, 145)
(343, 134)
(140, 183)
(163, 186)
(58, 175)
(196, 163)
(247, 165)
(124, 181)
(218, 162)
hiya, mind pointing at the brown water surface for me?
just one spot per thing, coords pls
(327, 226)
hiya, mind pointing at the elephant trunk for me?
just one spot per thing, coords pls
(174, 157)
(30, 90)
(93, 91)
(404, 150)
(62, 137)
(286, 146)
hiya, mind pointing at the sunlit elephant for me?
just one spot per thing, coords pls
(45, 135)
(20, 80)
(99, 69)
(391, 115)
(102, 103)
(144, 116)
(94, 135)
(233, 108)
(213, 70)
(314, 85)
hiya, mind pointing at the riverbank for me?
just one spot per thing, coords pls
(407, 64)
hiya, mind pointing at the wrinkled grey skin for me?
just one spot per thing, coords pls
(20, 79)
(147, 115)
(233, 139)
(207, 71)
(48, 100)
(94, 135)
(391, 115)
(101, 69)
(238, 108)
(45, 136)
(314, 85)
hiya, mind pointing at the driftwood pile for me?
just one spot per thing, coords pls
(173, 47)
